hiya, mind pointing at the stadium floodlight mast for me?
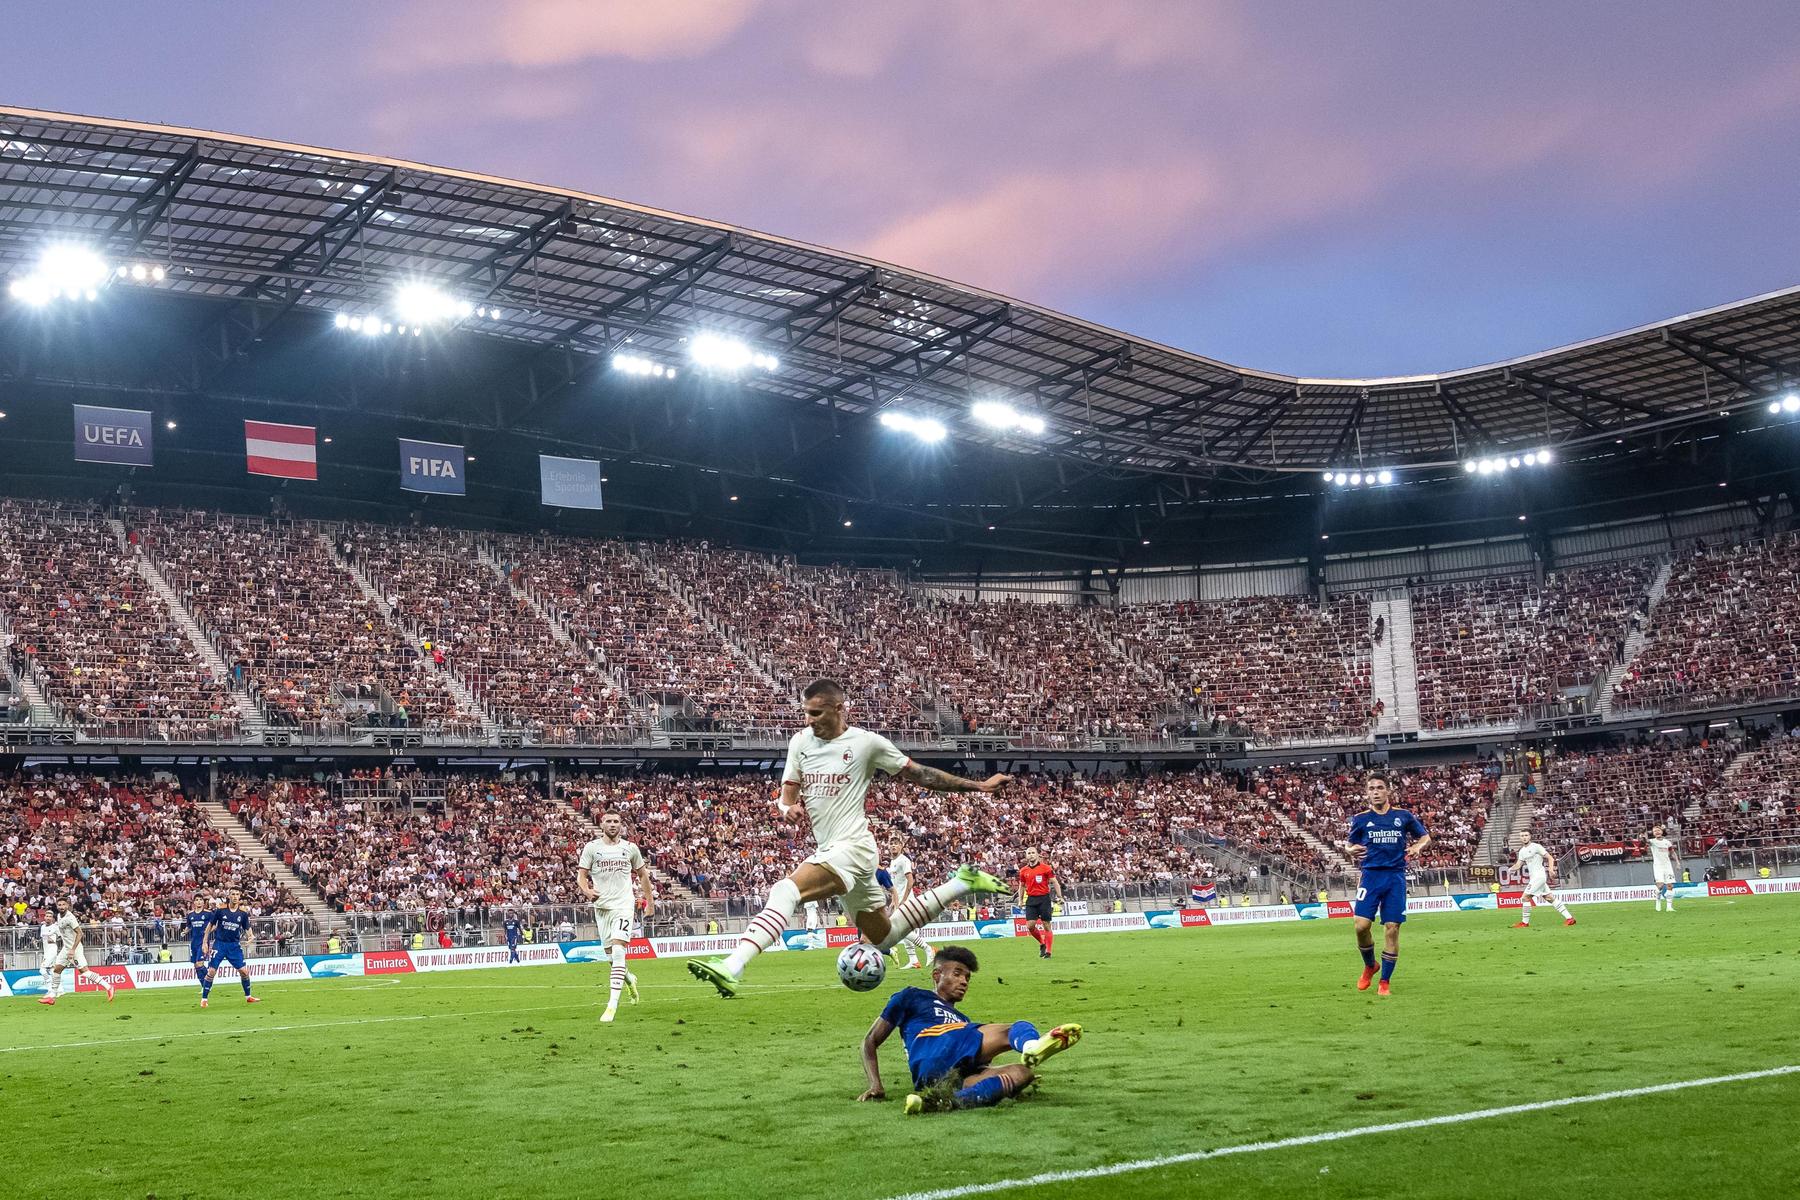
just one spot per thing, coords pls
(997, 414)
(716, 352)
(926, 429)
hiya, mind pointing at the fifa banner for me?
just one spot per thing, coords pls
(435, 467)
(112, 435)
(593, 955)
(569, 482)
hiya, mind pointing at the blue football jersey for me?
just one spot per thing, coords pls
(511, 925)
(883, 878)
(918, 1014)
(196, 927)
(1386, 836)
(229, 925)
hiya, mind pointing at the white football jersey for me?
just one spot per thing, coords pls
(1662, 853)
(834, 779)
(1533, 860)
(900, 871)
(610, 866)
(51, 937)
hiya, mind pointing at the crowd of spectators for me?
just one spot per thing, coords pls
(1758, 798)
(611, 600)
(1274, 666)
(1727, 631)
(1617, 795)
(83, 620)
(130, 848)
(472, 622)
(491, 842)
(1489, 651)
(295, 628)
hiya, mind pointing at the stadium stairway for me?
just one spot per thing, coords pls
(42, 711)
(1393, 669)
(1634, 643)
(644, 712)
(703, 611)
(1331, 855)
(490, 728)
(239, 835)
(250, 713)
(1508, 818)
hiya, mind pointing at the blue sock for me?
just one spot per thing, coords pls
(200, 973)
(245, 980)
(1387, 966)
(205, 986)
(983, 1094)
(1368, 953)
(1020, 1033)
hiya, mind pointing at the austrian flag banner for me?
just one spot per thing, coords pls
(284, 451)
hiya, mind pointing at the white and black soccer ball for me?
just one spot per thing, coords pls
(862, 967)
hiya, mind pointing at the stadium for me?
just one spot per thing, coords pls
(372, 529)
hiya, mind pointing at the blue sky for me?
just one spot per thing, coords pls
(1309, 187)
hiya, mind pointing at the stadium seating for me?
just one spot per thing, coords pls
(510, 658)
(1490, 651)
(103, 643)
(1757, 801)
(126, 848)
(620, 611)
(314, 650)
(1617, 795)
(1726, 632)
(1278, 666)
(489, 842)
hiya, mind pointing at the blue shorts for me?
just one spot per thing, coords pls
(957, 1051)
(197, 954)
(1384, 891)
(229, 952)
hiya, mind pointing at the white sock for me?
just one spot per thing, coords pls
(618, 976)
(96, 980)
(1525, 912)
(1659, 904)
(764, 927)
(1559, 906)
(920, 909)
(55, 983)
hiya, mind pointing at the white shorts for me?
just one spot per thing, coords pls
(1661, 876)
(855, 864)
(1538, 889)
(75, 956)
(614, 923)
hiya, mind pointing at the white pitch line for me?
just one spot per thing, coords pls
(1336, 1135)
(252, 1029)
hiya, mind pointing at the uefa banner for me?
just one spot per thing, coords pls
(112, 435)
(569, 482)
(435, 467)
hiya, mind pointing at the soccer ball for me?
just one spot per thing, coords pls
(861, 967)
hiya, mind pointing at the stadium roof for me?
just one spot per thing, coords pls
(268, 235)
(270, 226)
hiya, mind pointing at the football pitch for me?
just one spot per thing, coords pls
(504, 1083)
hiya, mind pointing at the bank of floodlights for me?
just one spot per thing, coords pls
(627, 363)
(728, 356)
(1377, 478)
(62, 272)
(1788, 405)
(413, 309)
(996, 414)
(926, 429)
(1500, 464)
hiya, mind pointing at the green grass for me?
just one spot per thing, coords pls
(503, 1083)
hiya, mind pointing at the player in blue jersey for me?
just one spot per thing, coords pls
(228, 932)
(512, 927)
(199, 920)
(1381, 842)
(947, 1053)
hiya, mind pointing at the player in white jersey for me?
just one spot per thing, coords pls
(812, 916)
(604, 875)
(1538, 866)
(64, 933)
(830, 765)
(1665, 862)
(900, 873)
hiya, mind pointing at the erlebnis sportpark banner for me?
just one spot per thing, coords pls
(569, 482)
(112, 435)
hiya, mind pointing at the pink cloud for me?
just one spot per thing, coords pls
(548, 33)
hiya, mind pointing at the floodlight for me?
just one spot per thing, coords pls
(1790, 403)
(925, 429)
(1385, 477)
(1356, 479)
(1470, 465)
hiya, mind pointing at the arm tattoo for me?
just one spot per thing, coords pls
(934, 779)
